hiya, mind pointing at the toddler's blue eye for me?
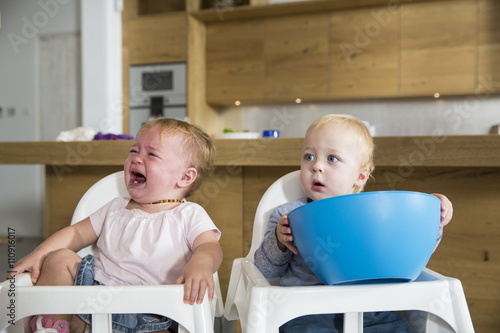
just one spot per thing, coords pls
(332, 158)
(308, 157)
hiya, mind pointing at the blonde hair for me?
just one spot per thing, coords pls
(196, 143)
(365, 140)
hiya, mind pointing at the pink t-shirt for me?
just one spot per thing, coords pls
(137, 248)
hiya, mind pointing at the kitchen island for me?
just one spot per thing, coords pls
(464, 168)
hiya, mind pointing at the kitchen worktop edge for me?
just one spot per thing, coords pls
(419, 151)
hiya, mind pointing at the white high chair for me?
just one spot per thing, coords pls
(102, 301)
(262, 305)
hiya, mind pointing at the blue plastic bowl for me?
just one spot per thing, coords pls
(383, 236)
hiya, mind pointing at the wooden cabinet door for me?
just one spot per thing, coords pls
(488, 79)
(235, 66)
(296, 58)
(409, 49)
(438, 47)
(157, 39)
(364, 46)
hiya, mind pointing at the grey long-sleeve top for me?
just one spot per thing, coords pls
(272, 262)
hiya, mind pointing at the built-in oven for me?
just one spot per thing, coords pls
(156, 91)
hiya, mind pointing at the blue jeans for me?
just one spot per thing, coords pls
(127, 322)
(373, 322)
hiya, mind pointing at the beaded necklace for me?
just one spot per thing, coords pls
(165, 201)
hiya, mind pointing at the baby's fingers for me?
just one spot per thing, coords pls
(446, 214)
(284, 220)
(187, 292)
(187, 289)
(292, 248)
(192, 295)
(35, 274)
(202, 289)
(211, 290)
(194, 292)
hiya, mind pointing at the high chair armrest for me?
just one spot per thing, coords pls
(245, 277)
(430, 275)
(23, 279)
(252, 274)
(164, 300)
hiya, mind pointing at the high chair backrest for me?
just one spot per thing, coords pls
(285, 189)
(98, 195)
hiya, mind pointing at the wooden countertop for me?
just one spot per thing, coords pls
(417, 151)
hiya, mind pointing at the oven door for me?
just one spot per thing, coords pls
(161, 81)
(140, 116)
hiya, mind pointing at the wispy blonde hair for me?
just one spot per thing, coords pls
(196, 143)
(365, 140)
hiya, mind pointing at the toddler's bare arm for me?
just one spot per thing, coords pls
(197, 276)
(74, 237)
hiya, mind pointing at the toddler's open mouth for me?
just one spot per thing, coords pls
(137, 178)
(317, 186)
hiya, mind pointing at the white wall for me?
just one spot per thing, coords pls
(102, 65)
(28, 27)
(23, 23)
(463, 115)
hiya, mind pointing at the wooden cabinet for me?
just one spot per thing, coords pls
(438, 47)
(154, 32)
(336, 50)
(296, 58)
(267, 60)
(235, 66)
(488, 47)
(364, 58)
(146, 7)
(157, 39)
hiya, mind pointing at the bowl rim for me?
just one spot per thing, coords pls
(385, 192)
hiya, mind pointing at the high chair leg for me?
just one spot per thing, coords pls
(228, 326)
(353, 322)
(101, 322)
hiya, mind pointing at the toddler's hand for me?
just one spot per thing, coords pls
(197, 277)
(31, 263)
(284, 235)
(446, 209)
